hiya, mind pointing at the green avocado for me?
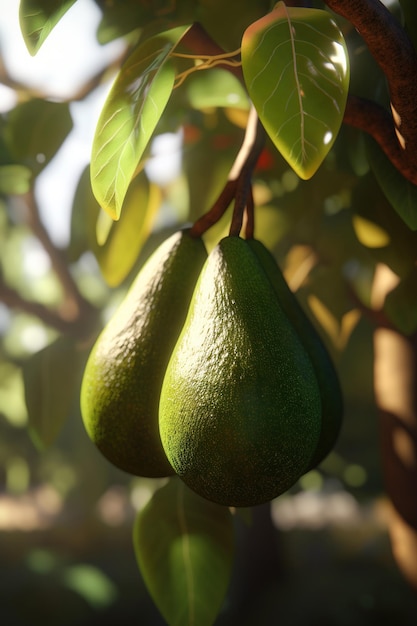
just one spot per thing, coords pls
(240, 407)
(125, 369)
(327, 378)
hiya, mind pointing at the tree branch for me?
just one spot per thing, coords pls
(14, 300)
(394, 52)
(75, 316)
(81, 92)
(74, 302)
(376, 121)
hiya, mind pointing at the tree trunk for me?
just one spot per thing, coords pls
(395, 381)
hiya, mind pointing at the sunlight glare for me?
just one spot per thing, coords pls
(339, 57)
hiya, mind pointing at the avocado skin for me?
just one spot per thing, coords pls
(240, 408)
(124, 373)
(328, 381)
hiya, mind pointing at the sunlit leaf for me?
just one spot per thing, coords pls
(35, 131)
(216, 88)
(14, 179)
(400, 193)
(296, 68)
(51, 378)
(124, 239)
(38, 18)
(129, 117)
(184, 548)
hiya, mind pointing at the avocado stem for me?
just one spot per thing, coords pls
(239, 183)
(245, 163)
(218, 209)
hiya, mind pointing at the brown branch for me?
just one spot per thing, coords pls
(393, 50)
(75, 315)
(376, 121)
(218, 209)
(75, 303)
(14, 300)
(243, 168)
(250, 216)
(238, 185)
(81, 92)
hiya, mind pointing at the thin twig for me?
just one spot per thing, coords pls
(199, 42)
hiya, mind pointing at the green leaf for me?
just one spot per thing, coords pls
(38, 18)
(84, 214)
(122, 241)
(51, 378)
(35, 131)
(296, 68)
(116, 245)
(129, 117)
(124, 16)
(184, 549)
(216, 88)
(400, 193)
(14, 179)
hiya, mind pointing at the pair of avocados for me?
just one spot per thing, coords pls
(211, 370)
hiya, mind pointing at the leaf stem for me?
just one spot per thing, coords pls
(202, 45)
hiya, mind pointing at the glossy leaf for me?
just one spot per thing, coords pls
(184, 548)
(400, 193)
(129, 117)
(38, 18)
(14, 179)
(51, 378)
(296, 69)
(35, 131)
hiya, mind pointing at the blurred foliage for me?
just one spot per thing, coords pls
(65, 514)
